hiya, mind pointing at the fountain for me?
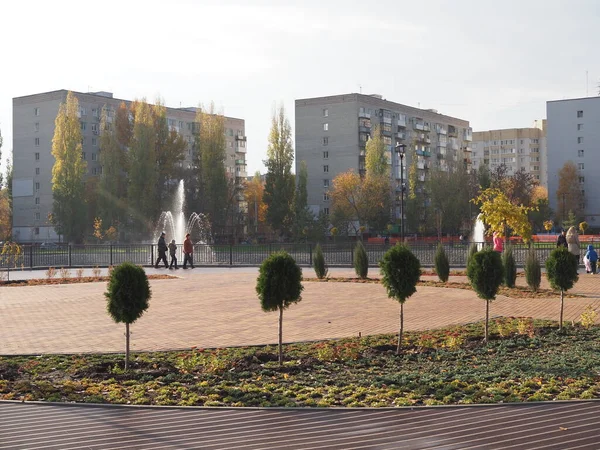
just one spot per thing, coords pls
(175, 225)
(479, 233)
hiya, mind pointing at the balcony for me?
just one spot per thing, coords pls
(362, 172)
(452, 131)
(423, 152)
(362, 152)
(401, 120)
(441, 130)
(418, 126)
(241, 174)
(468, 134)
(421, 165)
(440, 156)
(454, 146)
(240, 137)
(240, 162)
(239, 149)
(363, 114)
(426, 127)
(364, 129)
(421, 177)
(401, 135)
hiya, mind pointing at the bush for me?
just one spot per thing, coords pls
(319, 263)
(533, 271)
(561, 270)
(470, 252)
(485, 272)
(442, 265)
(361, 260)
(510, 267)
(128, 294)
(401, 271)
(279, 285)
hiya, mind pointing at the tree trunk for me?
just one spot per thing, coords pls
(487, 319)
(280, 336)
(401, 328)
(562, 303)
(126, 346)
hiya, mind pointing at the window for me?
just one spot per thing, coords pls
(521, 141)
(36, 127)
(37, 156)
(83, 155)
(37, 170)
(37, 216)
(325, 127)
(325, 183)
(326, 168)
(93, 157)
(325, 112)
(37, 186)
(37, 200)
(95, 128)
(36, 111)
(325, 141)
(535, 168)
(580, 153)
(36, 230)
(83, 126)
(180, 124)
(579, 114)
(325, 155)
(94, 142)
(325, 197)
(579, 126)
(37, 142)
(583, 192)
(581, 166)
(95, 112)
(326, 211)
(582, 179)
(580, 140)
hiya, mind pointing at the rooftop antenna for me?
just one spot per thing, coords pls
(360, 88)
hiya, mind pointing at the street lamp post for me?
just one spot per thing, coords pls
(400, 150)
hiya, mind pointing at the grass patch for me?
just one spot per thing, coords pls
(74, 280)
(524, 361)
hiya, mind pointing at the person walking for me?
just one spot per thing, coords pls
(188, 252)
(498, 243)
(162, 251)
(173, 254)
(592, 257)
(562, 239)
(573, 243)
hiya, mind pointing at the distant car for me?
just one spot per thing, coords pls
(49, 245)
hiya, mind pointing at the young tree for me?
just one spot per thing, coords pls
(561, 270)
(348, 203)
(278, 286)
(257, 209)
(510, 267)
(361, 261)
(442, 265)
(533, 271)
(400, 271)
(68, 186)
(279, 185)
(485, 272)
(127, 297)
(142, 170)
(319, 263)
(568, 194)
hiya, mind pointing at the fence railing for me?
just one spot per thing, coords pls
(340, 254)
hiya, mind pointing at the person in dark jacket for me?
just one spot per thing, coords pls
(162, 251)
(173, 254)
(562, 239)
(188, 252)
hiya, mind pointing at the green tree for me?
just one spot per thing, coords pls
(127, 297)
(510, 267)
(278, 286)
(319, 263)
(485, 272)
(533, 271)
(400, 270)
(561, 270)
(449, 193)
(361, 261)
(211, 148)
(376, 161)
(568, 194)
(442, 265)
(303, 217)
(279, 184)
(142, 170)
(68, 186)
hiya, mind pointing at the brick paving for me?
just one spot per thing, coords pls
(219, 307)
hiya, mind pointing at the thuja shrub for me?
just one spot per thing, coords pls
(442, 265)
(470, 252)
(561, 270)
(319, 263)
(533, 270)
(361, 260)
(510, 267)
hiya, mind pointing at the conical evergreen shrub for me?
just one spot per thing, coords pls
(442, 265)
(510, 267)
(319, 263)
(533, 270)
(361, 260)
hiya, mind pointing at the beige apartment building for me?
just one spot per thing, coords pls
(517, 148)
(33, 129)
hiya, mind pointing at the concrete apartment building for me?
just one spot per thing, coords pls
(517, 148)
(574, 135)
(33, 129)
(332, 132)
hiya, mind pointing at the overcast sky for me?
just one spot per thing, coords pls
(492, 62)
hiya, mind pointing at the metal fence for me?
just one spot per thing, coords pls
(336, 254)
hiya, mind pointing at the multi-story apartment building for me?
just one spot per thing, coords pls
(574, 135)
(517, 148)
(33, 129)
(332, 132)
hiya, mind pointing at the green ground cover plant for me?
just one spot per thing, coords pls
(523, 361)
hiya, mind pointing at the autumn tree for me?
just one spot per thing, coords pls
(348, 202)
(279, 183)
(518, 188)
(112, 183)
(568, 194)
(5, 216)
(257, 209)
(542, 211)
(376, 161)
(124, 125)
(68, 187)
(142, 170)
(376, 185)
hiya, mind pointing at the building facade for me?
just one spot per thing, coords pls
(574, 135)
(332, 132)
(33, 130)
(517, 148)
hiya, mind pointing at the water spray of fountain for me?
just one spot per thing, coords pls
(479, 233)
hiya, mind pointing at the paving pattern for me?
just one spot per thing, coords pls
(219, 307)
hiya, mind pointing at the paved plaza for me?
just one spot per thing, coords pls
(217, 307)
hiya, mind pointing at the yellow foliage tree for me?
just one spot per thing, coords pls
(98, 229)
(499, 214)
(5, 219)
(257, 208)
(548, 224)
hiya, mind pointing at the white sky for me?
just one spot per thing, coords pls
(492, 62)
